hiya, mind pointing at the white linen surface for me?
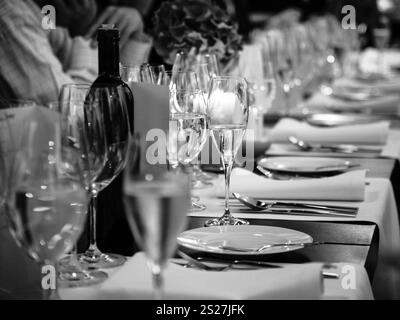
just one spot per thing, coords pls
(133, 281)
(349, 186)
(128, 282)
(374, 133)
(379, 207)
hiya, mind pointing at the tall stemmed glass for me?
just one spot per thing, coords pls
(158, 73)
(112, 104)
(286, 69)
(140, 73)
(48, 200)
(92, 157)
(205, 66)
(228, 112)
(188, 131)
(156, 208)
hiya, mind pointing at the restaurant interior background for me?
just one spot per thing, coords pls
(136, 133)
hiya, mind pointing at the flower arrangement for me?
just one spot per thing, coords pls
(198, 26)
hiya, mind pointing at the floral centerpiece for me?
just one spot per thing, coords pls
(195, 26)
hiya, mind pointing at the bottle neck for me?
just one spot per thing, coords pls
(109, 57)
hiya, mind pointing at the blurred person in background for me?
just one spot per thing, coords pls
(35, 62)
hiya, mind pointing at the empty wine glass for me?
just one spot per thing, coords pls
(188, 131)
(112, 103)
(140, 73)
(156, 207)
(228, 112)
(183, 80)
(158, 73)
(48, 200)
(205, 66)
(73, 133)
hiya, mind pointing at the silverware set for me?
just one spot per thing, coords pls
(340, 148)
(208, 264)
(269, 246)
(296, 208)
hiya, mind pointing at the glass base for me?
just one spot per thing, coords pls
(72, 279)
(226, 222)
(72, 275)
(101, 261)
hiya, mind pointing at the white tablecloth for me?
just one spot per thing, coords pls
(331, 288)
(378, 207)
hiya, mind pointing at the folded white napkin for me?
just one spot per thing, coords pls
(386, 104)
(374, 133)
(251, 64)
(133, 281)
(371, 60)
(349, 186)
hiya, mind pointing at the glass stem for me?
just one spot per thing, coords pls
(259, 125)
(93, 253)
(73, 259)
(287, 98)
(158, 283)
(227, 171)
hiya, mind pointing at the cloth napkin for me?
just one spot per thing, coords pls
(133, 281)
(371, 60)
(385, 104)
(349, 186)
(251, 64)
(374, 133)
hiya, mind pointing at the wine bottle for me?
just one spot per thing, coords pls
(109, 68)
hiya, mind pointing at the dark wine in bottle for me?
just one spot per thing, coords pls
(114, 99)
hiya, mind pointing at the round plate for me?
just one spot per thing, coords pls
(304, 165)
(249, 238)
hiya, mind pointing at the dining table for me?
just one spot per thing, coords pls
(356, 242)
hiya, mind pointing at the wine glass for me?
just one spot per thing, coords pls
(205, 66)
(112, 103)
(183, 80)
(382, 36)
(47, 199)
(188, 131)
(228, 112)
(156, 207)
(9, 143)
(157, 73)
(73, 133)
(140, 73)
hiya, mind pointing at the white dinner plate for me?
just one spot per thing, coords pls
(243, 238)
(304, 164)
